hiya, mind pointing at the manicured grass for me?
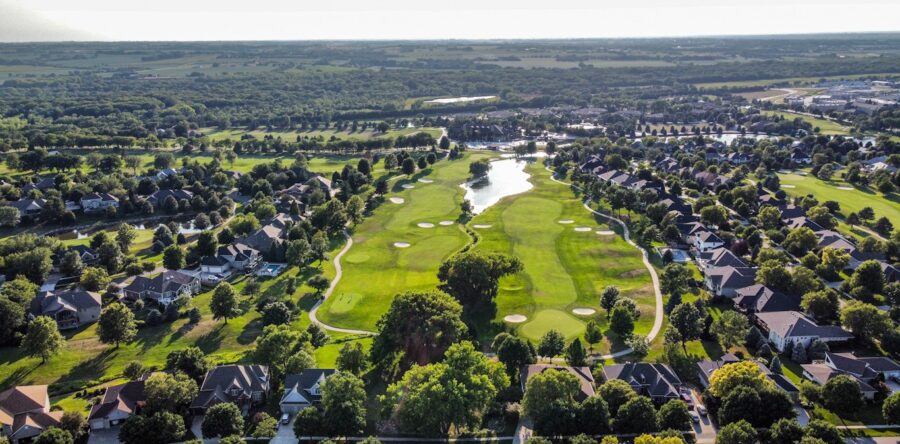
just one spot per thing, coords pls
(826, 127)
(850, 200)
(375, 270)
(563, 268)
(291, 136)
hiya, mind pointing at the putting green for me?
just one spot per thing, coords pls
(546, 320)
(375, 270)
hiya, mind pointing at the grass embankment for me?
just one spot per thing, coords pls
(375, 270)
(563, 268)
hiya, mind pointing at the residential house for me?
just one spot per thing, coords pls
(585, 378)
(118, 404)
(42, 185)
(70, 309)
(29, 207)
(706, 368)
(707, 240)
(240, 256)
(158, 198)
(725, 281)
(264, 239)
(785, 327)
(719, 257)
(163, 288)
(658, 381)
(758, 298)
(868, 372)
(25, 413)
(301, 390)
(88, 255)
(244, 385)
(96, 202)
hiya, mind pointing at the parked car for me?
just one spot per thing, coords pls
(285, 419)
(701, 410)
(695, 418)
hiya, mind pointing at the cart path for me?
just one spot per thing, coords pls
(338, 272)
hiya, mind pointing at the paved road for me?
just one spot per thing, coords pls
(338, 273)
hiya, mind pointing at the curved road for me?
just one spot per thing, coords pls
(338, 272)
(658, 318)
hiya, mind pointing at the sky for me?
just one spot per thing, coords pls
(194, 20)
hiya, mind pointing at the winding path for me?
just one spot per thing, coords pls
(658, 318)
(338, 272)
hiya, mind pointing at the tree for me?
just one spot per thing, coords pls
(222, 419)
(266, 426)
(865, 320)
(351, 358)
(550, 401)
(133, 370)
(317, 335)
(173, 257)
(800, 240)
(575, 355)
(224, 302)
(740, 374)
(432, 318)
(593, 416)
(355, 209)
(786, 431)
(804, 280)
(94, 279)
(473, 277)
(71, 264)
(686, 319)
(319, 283)
(172, 392)
(639, 345)
(408, 166)
(125, 236)
(868, 275)
(823, 305)
(207, 244)
(190, 361)
(674, 415)
(616, 392)
(514, 353)
(276, 313)
(608, 299)
(344, 404)
(675, 278)
(9, 217)
(636, 416)
(479, 168)
(43, 338)
(622, 320)
(54, 435)
(769, 217)
(593, 334)
(74, 422)
(891, 409)
(551, 344)
(730, 329)
(276, 344)
(299, 361)
(774, 275)
(842, 395)
(116, 324)
(12, 318)
(740, 432)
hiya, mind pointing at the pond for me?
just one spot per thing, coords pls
(186, 228)
(506, 178)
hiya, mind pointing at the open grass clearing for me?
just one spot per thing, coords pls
(852, 200)
(826, 127)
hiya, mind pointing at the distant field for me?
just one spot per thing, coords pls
(826, 127)
(788, 80)
(850, 200)
(235, 134)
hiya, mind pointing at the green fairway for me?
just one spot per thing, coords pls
(563, 268)
(851, 200)
(375, 269)
(825, 126)
(326, 135)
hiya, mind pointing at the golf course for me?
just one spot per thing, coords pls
(569, 255)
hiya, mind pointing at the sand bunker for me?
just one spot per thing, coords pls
(445, 222)
(515, 318)
(584, 311)
(582, 229)
(424, 180)
(481, 226)
(401, 244)
(397, 200)
(408, 186)
(845, 188)
(788, 186)
(606, 232)
(425, 225)
(567, 221)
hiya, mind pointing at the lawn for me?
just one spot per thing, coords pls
(563, 268)
(826, 127)
(290, 136)
(851, 200)
(375, 270)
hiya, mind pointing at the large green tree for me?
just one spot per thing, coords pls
(116, 324)
(223, 419)
(472, 277)
(224, 302)
(344, 404)
(43, 338)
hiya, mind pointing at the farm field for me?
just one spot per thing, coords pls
(826, 127)
(566, 265)
(851, 200)
(375, 270)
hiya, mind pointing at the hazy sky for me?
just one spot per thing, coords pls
(40, 20)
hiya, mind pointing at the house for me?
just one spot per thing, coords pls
(163, 288)
(585, 378)
(264, 239)
(96, 202)
(658, 381)
(706, 368)
(868, 372)
(689, 231)
(794, 327)
(301, 390)
(240, 256)
(758, 298)
(25, 412)
(158, 198)
(719, 257)
(29, 207)
(118, 404)
(42, 185)
(70, 309)
(87, 254)
(711, 180)
(217, 265)
(707, 240)
(244, 385)
(725, 281)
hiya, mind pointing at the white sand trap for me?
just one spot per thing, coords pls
(424, 180)
(401, 244)
(425, 225)
(845, 188)
(408, 186)
(582, 229)
(515, 319)
(397, 200)
(584, 311)
(606, 232)
(567, 221)
(481, 226)
(445, 223)
(788, 186)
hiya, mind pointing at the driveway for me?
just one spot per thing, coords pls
(285, 433)
(104, 436)
(705, 430)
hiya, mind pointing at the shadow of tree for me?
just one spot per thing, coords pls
(16, 377)
(211, 341)
(149, 337)
(250, 332)
(183, 330)
(91, 368)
